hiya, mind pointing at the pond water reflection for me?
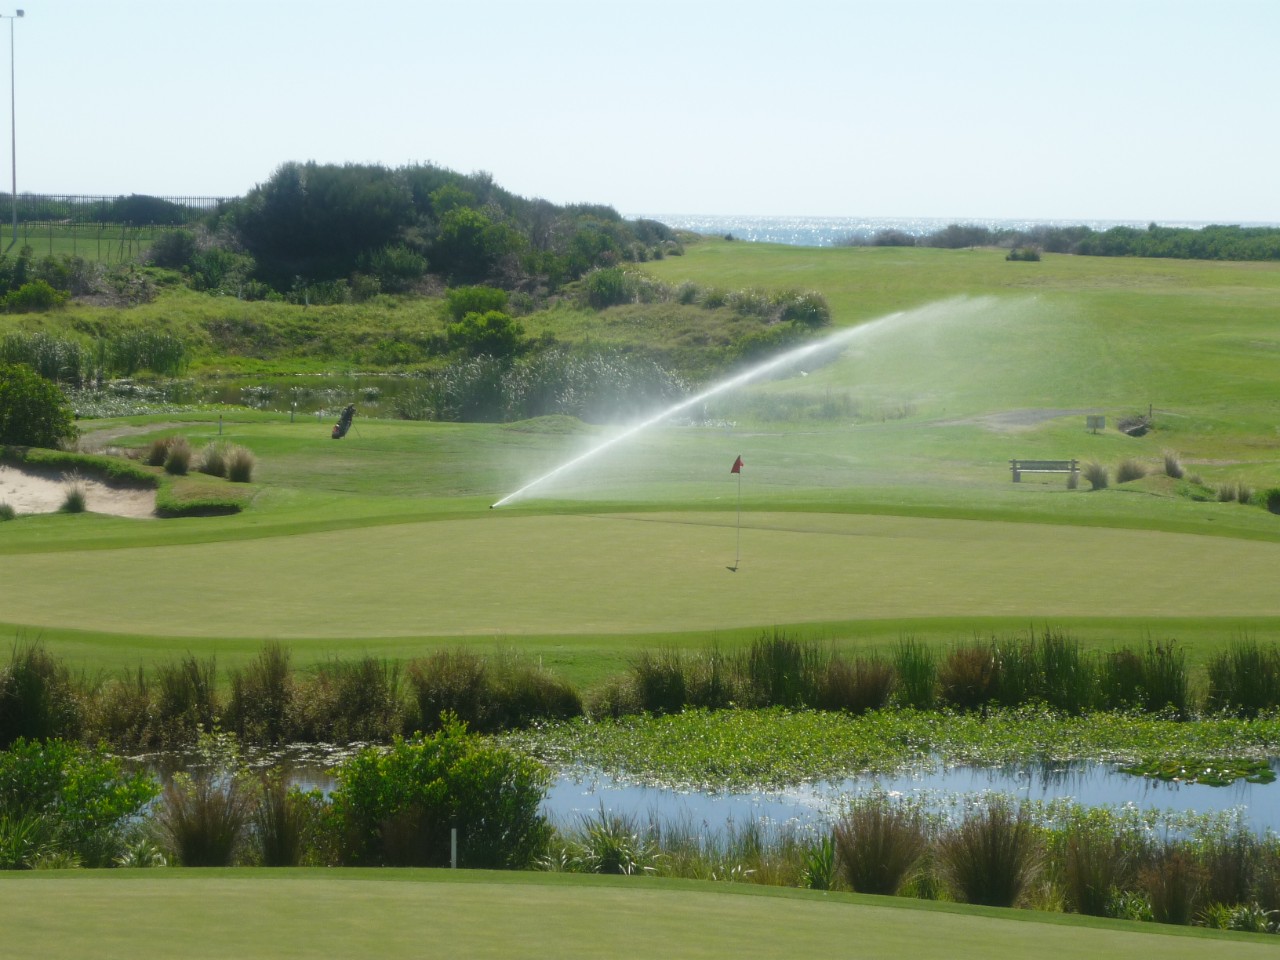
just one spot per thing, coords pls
(583, 791)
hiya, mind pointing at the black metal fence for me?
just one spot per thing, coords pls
(107, 229)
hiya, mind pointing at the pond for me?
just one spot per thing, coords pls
(578, 791)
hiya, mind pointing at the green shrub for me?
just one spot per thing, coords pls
(992, 857)
(397, 806)
(612, 843)
(33, 411)
(878, 844)
(177, 460)
(1130, 469)
(480, 299)
(609, 287)
(35, 296)
(58, 796)
(1271, 499)
(491, 334)
(240, 464)
(1025, 254)
(7, 512)
(122, 714)
(173, 249)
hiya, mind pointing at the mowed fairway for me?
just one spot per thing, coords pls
(139, 915)
(635, 573)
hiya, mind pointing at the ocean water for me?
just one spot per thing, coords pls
(832, 231)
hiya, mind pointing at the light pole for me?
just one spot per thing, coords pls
(13, 123)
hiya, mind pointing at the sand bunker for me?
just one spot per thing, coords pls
(45, 493)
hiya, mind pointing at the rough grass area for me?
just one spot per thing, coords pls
(139, 915)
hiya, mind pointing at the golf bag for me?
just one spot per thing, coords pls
(344, 422)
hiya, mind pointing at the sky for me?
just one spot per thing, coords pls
(1161, 110)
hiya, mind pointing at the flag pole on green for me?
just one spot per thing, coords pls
(737, 468)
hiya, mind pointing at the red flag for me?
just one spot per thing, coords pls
(737, 466)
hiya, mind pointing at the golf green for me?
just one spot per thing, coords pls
(219, 914)
(634, 573)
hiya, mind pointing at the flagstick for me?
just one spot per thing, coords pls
(738, 553)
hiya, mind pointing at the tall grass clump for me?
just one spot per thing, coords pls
(1174, 884)
(1230, 860)
(1097, 476)
(185, 699)
(261, 707)
(1271, 499)
(609, 842)
(1097, 861)
(75, 496)
(121, 712)
(711, 682)
(177, 460)
(240, 464)
(1130, 469)
(489, 694)
(1165, 684)
(158, 451)
(39, 699)
(659, 681)
(993, 856)
(916, 675)
(967, 676)
(1068, 678)
(1173, 465)
(213, 459)
(878, 844)
(781, 671)
(280, 820)
(7, 512)
(350, 701)
(204, 815)
(865, 684)
(1244, 679)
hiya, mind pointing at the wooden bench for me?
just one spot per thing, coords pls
(1019, 467)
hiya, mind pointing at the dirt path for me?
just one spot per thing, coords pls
(30, 492)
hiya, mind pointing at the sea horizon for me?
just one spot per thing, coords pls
(832, 231)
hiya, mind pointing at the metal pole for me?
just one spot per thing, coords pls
(737, 556)
(13, 126)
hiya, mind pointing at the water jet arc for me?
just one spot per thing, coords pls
(768, 366)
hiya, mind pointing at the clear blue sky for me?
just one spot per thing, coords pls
(1124, 109)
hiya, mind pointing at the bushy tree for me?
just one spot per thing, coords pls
(480, 299)
(492, 334)
(33, 411)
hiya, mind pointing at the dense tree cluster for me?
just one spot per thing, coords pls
(375, 229)
(1216, 242)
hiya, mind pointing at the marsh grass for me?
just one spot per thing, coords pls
(204, 818)
(1230, 861)
(1244, 679)
(280, 821)
(916, 670)
(659, 681)
(1097, 860)
(1068, 678)
(878, 845)
(488, 693)
(261, 708)
(966, 676)
(39, 697)
(993, 856)
(1097, 476)
(121, 711)
(711, 682)
(865, 684)
(782, 671)
(1165, 683)
(7, 512)
(1173, 465)
(1174, 884)
(350, 701)
(185, 700)
(608, 842)
(177, 460)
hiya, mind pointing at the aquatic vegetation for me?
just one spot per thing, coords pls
(1214, 773)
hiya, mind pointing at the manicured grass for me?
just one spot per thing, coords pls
(404, 913)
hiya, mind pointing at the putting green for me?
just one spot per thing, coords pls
(635, 573)
(205, 914)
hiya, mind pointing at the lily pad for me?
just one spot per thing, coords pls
(1212, 772)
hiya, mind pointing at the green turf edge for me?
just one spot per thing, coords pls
(534, 878)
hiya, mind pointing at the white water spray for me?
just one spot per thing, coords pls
(839, 338)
